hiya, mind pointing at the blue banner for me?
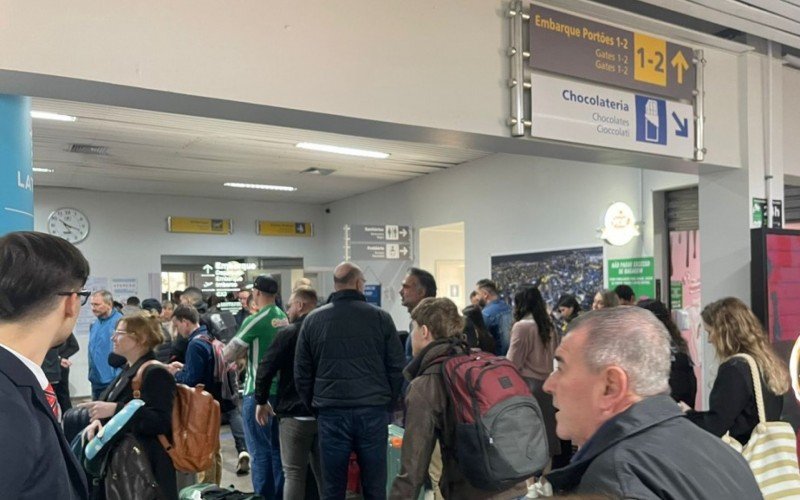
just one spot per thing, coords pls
(16, 164)
(373, 294)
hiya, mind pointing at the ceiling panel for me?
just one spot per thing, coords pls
(149, 152)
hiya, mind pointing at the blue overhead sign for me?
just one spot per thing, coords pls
(16, 164)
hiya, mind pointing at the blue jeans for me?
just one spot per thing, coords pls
(237, 429)
(344, 430)
(98, 389)
(265, 455)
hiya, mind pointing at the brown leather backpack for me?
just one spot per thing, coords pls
(195, 425)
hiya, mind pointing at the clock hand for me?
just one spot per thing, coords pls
(68, 225)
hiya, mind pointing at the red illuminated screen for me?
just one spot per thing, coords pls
(783, 286)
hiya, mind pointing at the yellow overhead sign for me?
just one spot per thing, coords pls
(198, 225)
(282, 228)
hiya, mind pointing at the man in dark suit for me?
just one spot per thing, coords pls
(41, 280)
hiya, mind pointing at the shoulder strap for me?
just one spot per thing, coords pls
(136, 383)
(762, 418)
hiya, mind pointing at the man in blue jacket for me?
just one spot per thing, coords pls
(496, 314)
(100, 372)
(40, 298)
(199, 368)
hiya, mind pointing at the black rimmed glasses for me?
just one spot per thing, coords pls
(83, 294)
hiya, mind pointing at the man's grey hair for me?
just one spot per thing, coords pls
(105, 296)
(631, 338)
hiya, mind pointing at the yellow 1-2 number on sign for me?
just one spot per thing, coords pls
(650, 59)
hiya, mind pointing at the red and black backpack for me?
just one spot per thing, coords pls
(500, 434)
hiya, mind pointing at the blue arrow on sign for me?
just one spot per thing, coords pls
(683, 126)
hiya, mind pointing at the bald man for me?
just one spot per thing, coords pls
(349, 370)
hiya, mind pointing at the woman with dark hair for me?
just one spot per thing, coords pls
(734, 329)
(135, 338)
(478, 335)
(569, 307)
(682, 380)
(532, 349)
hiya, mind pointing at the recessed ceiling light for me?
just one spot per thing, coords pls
(342, 151)
(318, 171)
(43, 170)
(268, 187)
(44, 115)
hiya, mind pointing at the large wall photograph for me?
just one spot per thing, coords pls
(577, 271)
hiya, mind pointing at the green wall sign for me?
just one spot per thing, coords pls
(638, 273)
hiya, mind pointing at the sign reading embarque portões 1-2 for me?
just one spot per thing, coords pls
(574, 46)
(568, 110)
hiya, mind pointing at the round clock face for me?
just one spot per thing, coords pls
(68, 223)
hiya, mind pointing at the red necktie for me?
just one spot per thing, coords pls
(52, 400)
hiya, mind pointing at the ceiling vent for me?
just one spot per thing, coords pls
(318, 171)
(88, 149)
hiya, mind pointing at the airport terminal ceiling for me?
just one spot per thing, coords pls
(108, 148)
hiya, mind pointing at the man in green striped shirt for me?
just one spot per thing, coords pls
(254, 337)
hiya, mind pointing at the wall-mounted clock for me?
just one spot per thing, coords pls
(68, 223)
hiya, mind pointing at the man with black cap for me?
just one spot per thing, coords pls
(255, 337)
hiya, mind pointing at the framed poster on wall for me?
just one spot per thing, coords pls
(577, 271)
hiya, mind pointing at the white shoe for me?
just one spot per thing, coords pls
(243, 467)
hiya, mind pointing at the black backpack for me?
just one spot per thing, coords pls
(220, 324)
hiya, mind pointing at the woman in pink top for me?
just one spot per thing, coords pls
(532, 348)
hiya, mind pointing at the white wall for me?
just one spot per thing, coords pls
(436, 64)
(128, 231)
(128, 236)
(791, 123)
(509, 204)
(444, 245)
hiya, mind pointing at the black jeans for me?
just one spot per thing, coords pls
(362, 430)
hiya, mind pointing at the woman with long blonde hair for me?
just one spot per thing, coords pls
(734, 329)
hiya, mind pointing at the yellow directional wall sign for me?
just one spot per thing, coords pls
(574, 46)
(199, 225)
(650, 59)
(282, 228)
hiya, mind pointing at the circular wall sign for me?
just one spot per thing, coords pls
(619, 224)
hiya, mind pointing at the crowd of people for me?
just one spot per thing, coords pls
(614, 387)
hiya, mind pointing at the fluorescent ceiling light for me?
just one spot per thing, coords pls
(44, 115)
(342, 151)
(269, 187)
(43, 170)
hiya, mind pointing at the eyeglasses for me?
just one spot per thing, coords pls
(83, 294)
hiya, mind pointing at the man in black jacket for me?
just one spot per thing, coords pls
(348, 368)
(40, 298)
(56, 368)
(611, 389)
(298, 427)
